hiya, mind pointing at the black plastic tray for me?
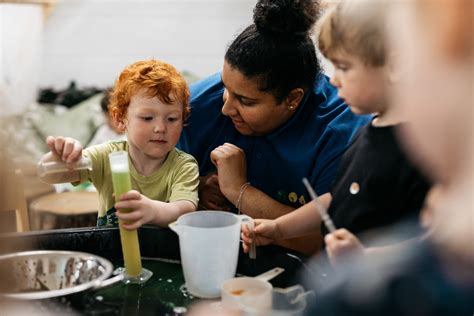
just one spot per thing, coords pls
(154, 243)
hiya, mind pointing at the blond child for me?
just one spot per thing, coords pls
(149, 102)
(435, 277)
(376, 185)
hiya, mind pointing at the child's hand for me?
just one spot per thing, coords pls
(141, 210)
(265, 232)
(340, 244)
(65, 148)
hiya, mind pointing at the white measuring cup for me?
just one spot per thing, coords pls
(209, 245)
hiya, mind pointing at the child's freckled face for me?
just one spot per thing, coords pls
(153, 127)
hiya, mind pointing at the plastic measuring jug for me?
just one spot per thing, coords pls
(209, 246)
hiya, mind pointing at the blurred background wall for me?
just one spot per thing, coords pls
(49, 43)
(21, 37)
(91, 41)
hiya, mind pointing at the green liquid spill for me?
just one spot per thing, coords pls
(159, 295)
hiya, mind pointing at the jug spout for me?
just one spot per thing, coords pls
(175, 227)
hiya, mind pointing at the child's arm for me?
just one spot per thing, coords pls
(341, 244)
(300, 222)
(64, 149)
(148, 211)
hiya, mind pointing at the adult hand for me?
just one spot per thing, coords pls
(340, 244)
(66, 149)
(142, 210)
(265, 232)
(210, 195)
(231, 169)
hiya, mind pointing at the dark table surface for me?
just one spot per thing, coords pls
(160, 252)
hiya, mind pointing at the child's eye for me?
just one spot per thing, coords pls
(147, 118)
(342, 67)
(172, 119)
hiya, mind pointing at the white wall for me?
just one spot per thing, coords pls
(91, 41)
(21, 31)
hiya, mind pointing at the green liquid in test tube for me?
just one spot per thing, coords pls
(129, 238)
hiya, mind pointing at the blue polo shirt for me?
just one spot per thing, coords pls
(310, 144)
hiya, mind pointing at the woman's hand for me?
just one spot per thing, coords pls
(142, 210)
(210, 195)
(231, 169)
(265, 232)
(341, 244)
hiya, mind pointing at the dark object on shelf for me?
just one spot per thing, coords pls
(67, 97)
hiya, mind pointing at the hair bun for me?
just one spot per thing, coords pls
(286, 17)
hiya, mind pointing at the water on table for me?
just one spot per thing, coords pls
(158, 296)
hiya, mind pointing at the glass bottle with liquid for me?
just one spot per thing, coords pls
(50, 167)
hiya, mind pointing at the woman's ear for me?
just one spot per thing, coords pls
(294, 98)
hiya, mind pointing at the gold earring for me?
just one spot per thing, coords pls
(291, 107)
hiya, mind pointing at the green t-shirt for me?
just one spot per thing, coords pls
(176, 179)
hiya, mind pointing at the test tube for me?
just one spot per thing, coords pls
(129, 238)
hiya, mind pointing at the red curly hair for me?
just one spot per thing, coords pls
(158, 78)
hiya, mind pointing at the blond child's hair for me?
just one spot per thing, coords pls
(157, 78)
(354, 27)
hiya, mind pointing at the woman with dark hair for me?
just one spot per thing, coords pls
(268, 119)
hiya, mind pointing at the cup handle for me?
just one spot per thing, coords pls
(266, 276)
(294, 293)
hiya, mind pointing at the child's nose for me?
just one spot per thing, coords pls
(160, 127)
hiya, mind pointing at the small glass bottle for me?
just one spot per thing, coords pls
(50, 167)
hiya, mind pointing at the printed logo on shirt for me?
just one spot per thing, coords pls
(291, 198)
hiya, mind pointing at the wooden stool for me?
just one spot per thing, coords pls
(34, 188)
(65, 210)
(12, 197)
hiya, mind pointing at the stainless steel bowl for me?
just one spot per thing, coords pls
(46, 274)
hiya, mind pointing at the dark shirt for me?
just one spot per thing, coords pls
(412, 282)
(376, 184)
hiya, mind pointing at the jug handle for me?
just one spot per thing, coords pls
(245, 219)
